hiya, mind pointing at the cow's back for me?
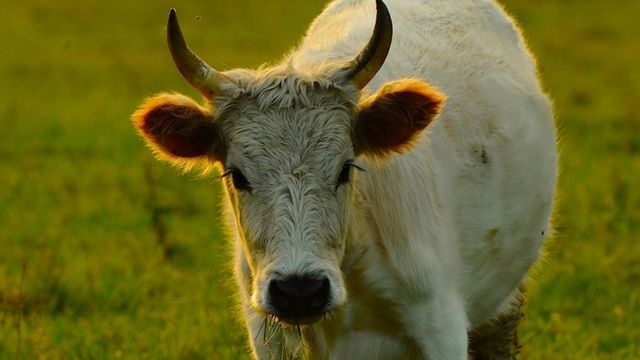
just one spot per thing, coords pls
(482, 178)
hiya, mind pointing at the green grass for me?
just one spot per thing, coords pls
(106, 253)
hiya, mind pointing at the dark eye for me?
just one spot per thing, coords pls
(240, 182)
(343, 178)
(345, 173)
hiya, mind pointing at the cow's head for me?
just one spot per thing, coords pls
(287, 142)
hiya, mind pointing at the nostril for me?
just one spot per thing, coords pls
(321, 294)
(279, 295)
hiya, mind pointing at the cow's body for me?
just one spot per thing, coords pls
(452, 227)
(439, 238)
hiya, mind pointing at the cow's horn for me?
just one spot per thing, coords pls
(365, 66)
(202, 76)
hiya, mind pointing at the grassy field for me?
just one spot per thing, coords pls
(106, 253)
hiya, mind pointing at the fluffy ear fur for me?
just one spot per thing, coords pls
(179, 130)
(391, 119)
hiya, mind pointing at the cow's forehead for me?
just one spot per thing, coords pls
(306, 131)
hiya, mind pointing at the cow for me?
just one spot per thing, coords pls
(388, 184)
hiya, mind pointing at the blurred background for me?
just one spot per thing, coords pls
(107, 253)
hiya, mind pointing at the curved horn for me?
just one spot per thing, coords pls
(365, 66)
(202, 76)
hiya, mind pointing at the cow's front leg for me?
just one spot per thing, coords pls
(431, 307)
(370, 345)
(498, 340)
(439, 326)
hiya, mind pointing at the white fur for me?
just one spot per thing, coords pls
(444, 233)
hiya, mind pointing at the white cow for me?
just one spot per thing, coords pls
(433, 239)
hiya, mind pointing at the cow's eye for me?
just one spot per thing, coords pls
(240, 182)
(345, 173)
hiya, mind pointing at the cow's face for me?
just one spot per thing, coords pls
(288, 150)
(287, 170)
(287, 143)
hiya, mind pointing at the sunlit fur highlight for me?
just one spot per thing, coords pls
(191, 111)
(394, 117)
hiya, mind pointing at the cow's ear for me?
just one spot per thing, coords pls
(179, 130)
(391, 119)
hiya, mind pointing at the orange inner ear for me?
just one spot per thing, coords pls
(176, 126)
(390, 120)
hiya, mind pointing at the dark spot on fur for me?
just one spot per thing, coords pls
(484, 156)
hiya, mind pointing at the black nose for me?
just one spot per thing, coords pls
(299, 296)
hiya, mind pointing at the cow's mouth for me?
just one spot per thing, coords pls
(300, 320)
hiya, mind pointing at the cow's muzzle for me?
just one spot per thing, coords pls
(299, 300)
